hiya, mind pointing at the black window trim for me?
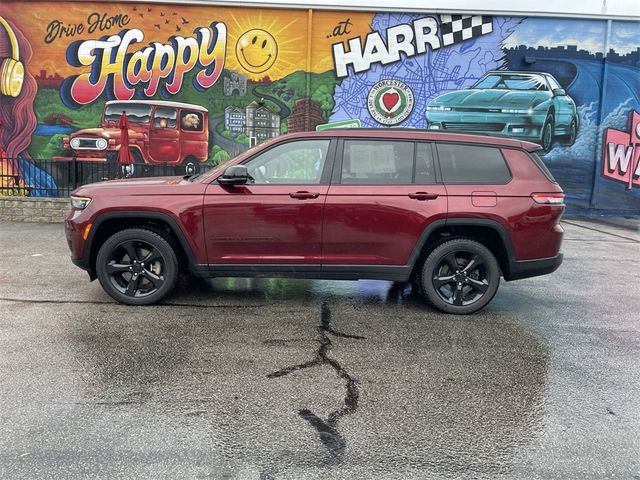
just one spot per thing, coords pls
(325, 177)
(336, 177)
(486, 145)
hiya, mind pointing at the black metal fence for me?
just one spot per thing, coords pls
(52, 178)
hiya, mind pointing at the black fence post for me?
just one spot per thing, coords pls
(74, 169)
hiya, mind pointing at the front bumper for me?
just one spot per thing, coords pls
(521, 127)
(533, 268)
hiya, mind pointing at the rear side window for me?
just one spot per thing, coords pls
(425, 170)
(368, 162)
(538, 161)
(472, 164)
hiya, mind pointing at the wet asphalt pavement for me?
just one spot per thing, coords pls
(296, 379)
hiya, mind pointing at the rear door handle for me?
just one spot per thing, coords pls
(423, 196)
(304, 195)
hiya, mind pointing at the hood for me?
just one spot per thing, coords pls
(490, 98)
(105, 133)
(131, 186)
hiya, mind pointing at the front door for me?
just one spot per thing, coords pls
(384, 195)
(276, 220)
(164, 136)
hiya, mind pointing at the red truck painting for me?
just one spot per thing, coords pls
(160, 132)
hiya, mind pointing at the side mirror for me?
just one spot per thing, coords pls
(235, 175)
(559, 92)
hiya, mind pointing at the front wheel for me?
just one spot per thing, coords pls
(460, 276)
(137, 267)
(190, 164)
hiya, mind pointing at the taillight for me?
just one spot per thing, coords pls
(548, 198)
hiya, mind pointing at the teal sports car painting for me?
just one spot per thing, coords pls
(529, 106)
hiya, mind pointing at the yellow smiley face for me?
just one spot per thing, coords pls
(256, 50)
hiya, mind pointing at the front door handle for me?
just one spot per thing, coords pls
(304, 195)
(423, 196)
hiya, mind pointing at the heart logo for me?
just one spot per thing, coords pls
(389, 100)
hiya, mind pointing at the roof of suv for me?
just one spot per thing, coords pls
(417, 134)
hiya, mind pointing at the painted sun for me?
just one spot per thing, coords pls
(266, 45)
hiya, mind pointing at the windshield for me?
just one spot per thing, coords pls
(136, 113)
(509, 81)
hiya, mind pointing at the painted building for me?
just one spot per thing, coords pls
(234, 120)
(235, 84)
(306, 116)
(262, 123)
(571, 84)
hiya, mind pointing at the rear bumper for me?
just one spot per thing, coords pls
(533, 268)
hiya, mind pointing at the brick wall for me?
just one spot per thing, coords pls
(29, 209)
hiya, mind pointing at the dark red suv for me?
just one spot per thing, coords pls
(451, 212)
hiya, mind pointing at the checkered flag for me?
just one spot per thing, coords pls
(458, 28)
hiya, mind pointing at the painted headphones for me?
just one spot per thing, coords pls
(11, 70)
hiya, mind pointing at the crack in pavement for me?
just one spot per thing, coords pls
(328, 429)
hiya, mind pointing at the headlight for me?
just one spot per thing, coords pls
(75, 142)
(101, 144)
(79, 203)
(438, 108)
(518, 111)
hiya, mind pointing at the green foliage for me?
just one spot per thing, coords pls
(323, 97)
(283, 128)
(52, 148)
(221, 157)
(242, 138)
(48, 102)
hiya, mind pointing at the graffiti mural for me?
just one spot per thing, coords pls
(200, 84)
(622, 153)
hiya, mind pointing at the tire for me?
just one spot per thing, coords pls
(121, 269)
(440, 280)
(190, 164)
(546, 136)
(570, 138)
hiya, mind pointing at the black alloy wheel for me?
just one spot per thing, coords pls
(137, 267)
(460, 276)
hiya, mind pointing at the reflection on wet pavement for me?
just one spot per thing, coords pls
(315, 377)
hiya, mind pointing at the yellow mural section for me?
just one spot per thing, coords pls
(260, 42)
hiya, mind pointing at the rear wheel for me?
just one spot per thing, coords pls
(546, 137)
(137, 267)
(460, 276)
(570, 138)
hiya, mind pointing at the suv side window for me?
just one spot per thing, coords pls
(425, 168)
(472, 164)
(377, 162)
(165, 117)
(299, 162)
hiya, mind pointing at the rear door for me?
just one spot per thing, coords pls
(383, 195)
(477, 179)
(164, 136)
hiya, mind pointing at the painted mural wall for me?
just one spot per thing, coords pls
(200, 84)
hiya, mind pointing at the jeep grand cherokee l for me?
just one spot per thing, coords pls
(452, 212)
